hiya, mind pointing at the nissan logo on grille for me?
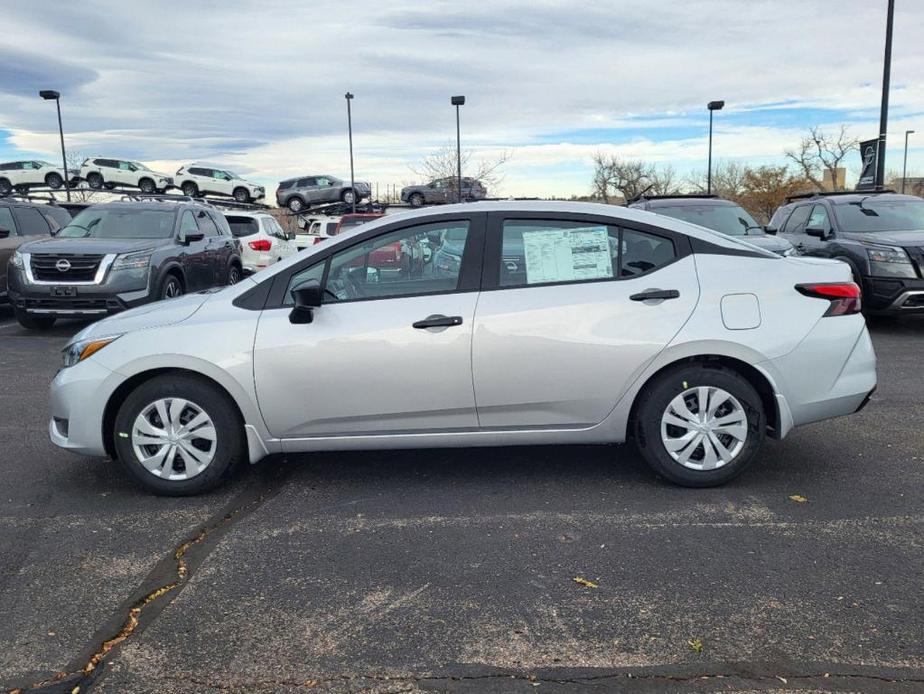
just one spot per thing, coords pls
(63, 265)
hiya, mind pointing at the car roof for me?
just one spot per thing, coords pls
(684, 202)
(252, 215)
(170, 205)
(314, 175)
(853, 197)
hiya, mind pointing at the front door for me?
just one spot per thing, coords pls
(195, 257)
(568, 326)
(388, 352)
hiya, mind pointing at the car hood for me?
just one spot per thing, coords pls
(774, 244)
(412, 189)
(92, 246)
(156, 315)
(911, 237)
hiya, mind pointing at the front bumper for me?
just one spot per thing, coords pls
(891, 295)
(122, 289)
(78, 399)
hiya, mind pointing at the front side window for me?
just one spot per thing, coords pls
(6, 222)
(125, 166)
(188, 224)
(207, 225)
(797, 220)
(871, 215)
(535, 252)
(818, 219)
(424, 259)
(120, 224)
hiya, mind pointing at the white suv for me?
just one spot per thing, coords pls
(202, 179)
(25, 174)
(263, 241)
(103, 172)
(317, 231)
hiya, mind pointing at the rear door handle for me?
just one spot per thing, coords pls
(438, 321)
(656, 294)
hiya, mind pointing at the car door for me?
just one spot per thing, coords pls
(125, 174)
(218, 250)
(817, 220)
(10, 240)
(562, 327)
(388, 352)
(794, 228)
(323, 190)
(198, 265)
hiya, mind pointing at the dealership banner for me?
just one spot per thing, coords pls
(869, 154)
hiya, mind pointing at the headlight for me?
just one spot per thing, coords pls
(132, 261)
(16, 260)
(76, 352)
(887, 261)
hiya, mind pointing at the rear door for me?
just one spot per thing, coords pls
(563, 327)
(10, 240)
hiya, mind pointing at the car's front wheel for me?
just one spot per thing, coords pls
(179, 435)
(190, 189)
(32, 321)
(94, 180)
(147, 186)
(348, 196)
(416, 200)
(54, 180)
(699, 426)
(171, 287)
(295, 204)
(241, 195)
(234, 274)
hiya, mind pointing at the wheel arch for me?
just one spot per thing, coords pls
(758, 379)
(171, 268)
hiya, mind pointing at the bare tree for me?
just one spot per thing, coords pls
(441, 163)
(820, 152)
(727, 180)
(630, 178)
(82, 194)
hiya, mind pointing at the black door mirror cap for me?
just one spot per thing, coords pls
(770, 230)
(4, 233)
(308, 296)
(187, 239)
(817, 232)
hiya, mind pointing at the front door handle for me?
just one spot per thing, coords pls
(438, 321)
(656, 294)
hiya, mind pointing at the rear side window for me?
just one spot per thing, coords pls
(304, 182)
(243, 226)
(284, 185)
(31, 222)
(206, 225)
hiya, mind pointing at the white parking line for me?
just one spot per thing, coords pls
(8, 325)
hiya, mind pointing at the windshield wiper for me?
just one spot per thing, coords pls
(865, 210)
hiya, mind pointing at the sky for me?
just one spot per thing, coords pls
(259, 88)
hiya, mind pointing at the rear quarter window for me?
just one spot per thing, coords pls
(243, 226)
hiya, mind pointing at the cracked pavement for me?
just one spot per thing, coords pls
(453, 570)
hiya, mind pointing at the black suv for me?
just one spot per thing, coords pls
(880, 235)
(114, 256)
(713, 212)
(22, 221)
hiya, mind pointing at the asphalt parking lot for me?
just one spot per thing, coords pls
(454, 570)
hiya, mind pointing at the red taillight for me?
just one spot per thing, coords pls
(263, 245)
(844, 296)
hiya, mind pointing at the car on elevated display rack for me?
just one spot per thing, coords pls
(114, 256)
(22, 175)
(205, 179)
(104, 172)
(617, 325)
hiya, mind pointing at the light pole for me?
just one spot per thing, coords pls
(51, 95)
(349, 97)
(905, 164)
(712, 106)
(884, 109)
(458, 101)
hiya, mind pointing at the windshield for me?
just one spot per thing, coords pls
(730, 220)
(880, 215)
(120, 224)
(139, 165)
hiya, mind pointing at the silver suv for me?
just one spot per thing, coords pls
(306, 191)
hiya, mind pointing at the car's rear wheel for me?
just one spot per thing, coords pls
(295, 204)
(171, 287)
(179, 435)
(5, 186)
(54, 180)
(699, 426)
(234, 274)
(241, 195)
(416, 200)
(94, 180)
(348, 196)
(190, 189)
(147, 186)
(32, 321)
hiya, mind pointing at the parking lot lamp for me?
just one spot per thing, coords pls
(905, 164)
(51, 95)
(884, 107)
(458, 101)
(712, 106)
(349, 97)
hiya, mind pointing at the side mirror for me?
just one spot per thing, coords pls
(817, 232)
(187, 238)
(308, 296)
(4, 233)
(770, 230)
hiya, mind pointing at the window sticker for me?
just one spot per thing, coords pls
(565, 255)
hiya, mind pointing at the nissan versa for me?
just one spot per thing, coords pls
(561, 323)
(118, 255)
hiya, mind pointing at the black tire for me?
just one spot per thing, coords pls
(416, 200)
(22, 189)
(234, 274)
(190, 189)
(348, 196)
(94, 180)
(229, 445)
(241, 195)
(296, 204)
(31, 321)
(54, 180)
(654, 402)
(147, 186)
(5, 187)
(170, 288)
